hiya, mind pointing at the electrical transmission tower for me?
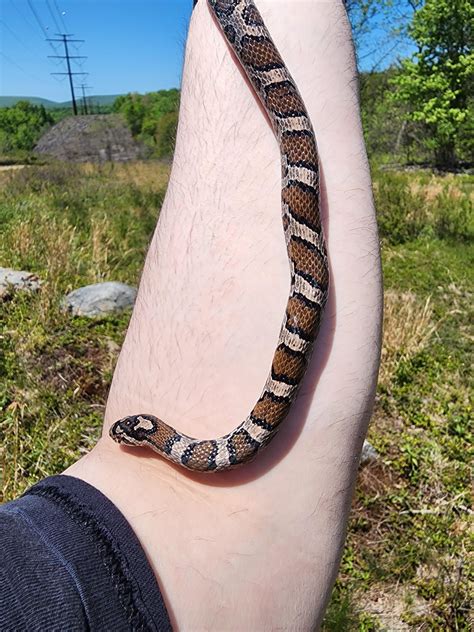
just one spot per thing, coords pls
(84, 98)
(65, 40)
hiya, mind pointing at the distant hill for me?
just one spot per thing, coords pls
(6, 102)
(99, 99)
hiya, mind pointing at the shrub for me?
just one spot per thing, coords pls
(22, 125)
(412, 206)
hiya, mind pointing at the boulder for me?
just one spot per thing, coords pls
(100, 299)
(11, 280)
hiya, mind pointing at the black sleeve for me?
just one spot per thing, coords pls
(70, 561)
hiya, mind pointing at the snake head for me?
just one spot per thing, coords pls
(133, 430)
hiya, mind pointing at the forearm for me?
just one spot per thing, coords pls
(203, 333)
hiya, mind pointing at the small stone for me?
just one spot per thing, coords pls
(17, 280)
(100, 299)
(369, 454)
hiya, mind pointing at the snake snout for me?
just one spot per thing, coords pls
(132, 430)
(118, 432)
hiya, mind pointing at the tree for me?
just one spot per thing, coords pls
(131, 106)
(22, 125)
(152, 118)
(361, 13)
(379, 28)
(437, 81)
(165, 134)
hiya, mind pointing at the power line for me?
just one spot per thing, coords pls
(40, 23)
(14, 63)
(37, 18)
(60, 13)
(22, 15)
(59, 79)
(18, 39)
(56, 23)
(65, 40)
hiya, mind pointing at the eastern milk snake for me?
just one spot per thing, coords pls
(243, 27)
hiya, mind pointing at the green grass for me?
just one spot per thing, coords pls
(406, 563)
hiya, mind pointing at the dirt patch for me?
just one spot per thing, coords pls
(84, 371)
(376, 479)
(390, 605)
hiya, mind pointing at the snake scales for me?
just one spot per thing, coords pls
(244, 29)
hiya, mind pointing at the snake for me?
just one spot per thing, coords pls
(248, 37)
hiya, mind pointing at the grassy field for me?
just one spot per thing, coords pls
(406, 564)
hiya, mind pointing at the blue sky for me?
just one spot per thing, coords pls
(132, 45)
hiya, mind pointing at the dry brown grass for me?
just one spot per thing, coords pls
(150, 174)
(154, 175)
(436, 186)
(100, 246)
(408, 326)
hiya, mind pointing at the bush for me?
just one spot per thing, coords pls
(22, 125)
(409, 207)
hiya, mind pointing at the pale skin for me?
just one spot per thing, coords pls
(256, 548)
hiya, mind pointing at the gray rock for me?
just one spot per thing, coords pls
(100, 299)
(17, 280)
(369, 454)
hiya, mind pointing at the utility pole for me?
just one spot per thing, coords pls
(84, 98)
(65, 39)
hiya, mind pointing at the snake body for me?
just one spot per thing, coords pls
(246, 33)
